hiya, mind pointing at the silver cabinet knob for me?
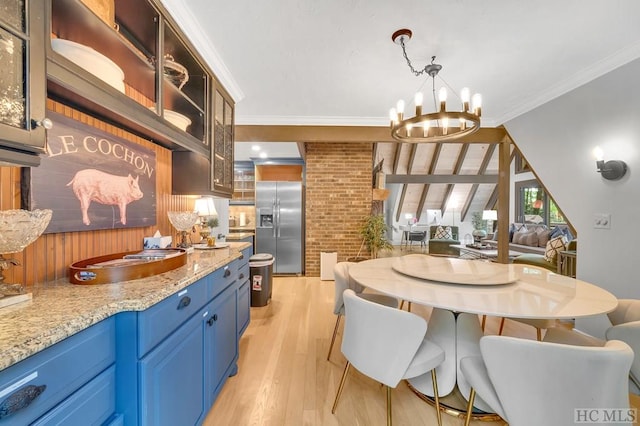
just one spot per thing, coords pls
(45, 122)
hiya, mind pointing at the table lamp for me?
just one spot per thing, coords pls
(206, 210)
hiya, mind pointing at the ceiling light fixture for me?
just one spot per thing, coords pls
(435, 126)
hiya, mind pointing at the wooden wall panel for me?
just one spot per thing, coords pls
(49, 257)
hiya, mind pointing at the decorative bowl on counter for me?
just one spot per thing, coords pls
(91, 61)
(19, 228)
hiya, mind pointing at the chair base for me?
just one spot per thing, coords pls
(454, 405)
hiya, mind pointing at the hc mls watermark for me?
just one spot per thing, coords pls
(605, 415)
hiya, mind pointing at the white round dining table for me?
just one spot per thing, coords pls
(462, 285)
(468, 287)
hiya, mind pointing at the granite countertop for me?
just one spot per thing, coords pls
(236, 236)
(60, 309)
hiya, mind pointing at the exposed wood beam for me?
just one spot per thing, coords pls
(432, 167)
(493, 198)
(440, 179)
(504, 163)
(396, 157)
(403, 193)
(491, 148)
(342, 134)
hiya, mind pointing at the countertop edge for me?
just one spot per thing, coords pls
(57, 310)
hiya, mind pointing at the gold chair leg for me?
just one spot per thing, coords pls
(539, 334)
(409, 307)
(389, 420)
(472, 396)
(501, 327)
(484, 321)
(434, 382)
(333, 339)
(340, 387)
(401, 305)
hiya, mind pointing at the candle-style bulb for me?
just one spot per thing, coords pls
(465, 96)
(442, 97)
(598, 153)
(418, 101)
(477, 104)
(400, 107)
(445, 126)
(425, 127)
(393, 116)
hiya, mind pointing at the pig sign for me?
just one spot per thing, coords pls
(93, 185)
(91, 179)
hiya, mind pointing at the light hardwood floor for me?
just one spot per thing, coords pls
(284, 377)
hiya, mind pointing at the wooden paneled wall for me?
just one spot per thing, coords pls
(49, 257)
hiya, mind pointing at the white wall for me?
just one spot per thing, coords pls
(557, 139)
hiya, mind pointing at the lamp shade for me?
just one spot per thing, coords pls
(205, 207)
(489, 215)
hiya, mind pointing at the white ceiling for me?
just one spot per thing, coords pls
(244, 151)
(333, 62)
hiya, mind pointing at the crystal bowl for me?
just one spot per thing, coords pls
(19, 228)
(183, 221)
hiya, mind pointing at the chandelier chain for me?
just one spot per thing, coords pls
(417, 73)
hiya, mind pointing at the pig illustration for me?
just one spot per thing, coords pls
(93, 185)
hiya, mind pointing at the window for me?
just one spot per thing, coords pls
(533, 205)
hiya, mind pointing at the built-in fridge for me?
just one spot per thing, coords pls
(279, 230)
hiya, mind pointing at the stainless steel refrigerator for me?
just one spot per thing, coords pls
(279, 229)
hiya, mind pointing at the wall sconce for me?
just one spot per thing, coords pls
(610, 170)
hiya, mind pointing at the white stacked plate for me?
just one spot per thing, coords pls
(91, 60)
(178, 120)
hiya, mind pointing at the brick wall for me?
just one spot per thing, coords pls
(338, 197)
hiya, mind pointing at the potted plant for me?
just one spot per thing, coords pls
(374, 234)
(479, 226)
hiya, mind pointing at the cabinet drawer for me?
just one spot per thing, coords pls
(62, 369)
(93, 404)
(246, 254)
(157, 322)
(222, 278)
(243, 273)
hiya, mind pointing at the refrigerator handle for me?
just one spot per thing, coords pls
(278, 215)
(274, 224)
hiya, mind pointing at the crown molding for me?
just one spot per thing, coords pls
(290, 120)
(582, 77)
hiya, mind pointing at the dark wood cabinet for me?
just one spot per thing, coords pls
(167, 91)
(22, 82)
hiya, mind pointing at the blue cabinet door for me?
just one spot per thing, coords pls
(172, 377)
(222, 341)
(244, 304)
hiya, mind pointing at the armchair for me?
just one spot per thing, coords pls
(442, 246)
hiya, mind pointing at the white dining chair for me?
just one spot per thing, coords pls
(531, 383)
(387, 345)
(625, 326)
(343, 282)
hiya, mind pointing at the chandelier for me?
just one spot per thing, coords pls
(438, 126)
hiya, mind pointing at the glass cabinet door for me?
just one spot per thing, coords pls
(22, 94)
(222, 152)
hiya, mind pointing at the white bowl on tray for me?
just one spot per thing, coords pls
(91, 60)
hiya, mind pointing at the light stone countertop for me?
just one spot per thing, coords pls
(60, 309)
(236, 236)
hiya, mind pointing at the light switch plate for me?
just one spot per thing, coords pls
(602, 221)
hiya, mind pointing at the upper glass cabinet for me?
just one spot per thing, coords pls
(142, 56)
(21, 75)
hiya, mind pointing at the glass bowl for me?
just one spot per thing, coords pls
(183, 221)
(19, 228)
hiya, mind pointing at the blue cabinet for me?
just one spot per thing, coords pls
(221, 341)
(50, 384)
(244, 291)
(172, 377)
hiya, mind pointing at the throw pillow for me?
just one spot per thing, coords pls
(554, 246)
(530, 239)
(440, 233)
(518, 237)
(448, 233)
(556, 232)
(543, 237)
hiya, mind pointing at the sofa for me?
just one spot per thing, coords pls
(442, 246)
(531, 240)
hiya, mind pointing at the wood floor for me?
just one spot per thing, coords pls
(284, 377)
